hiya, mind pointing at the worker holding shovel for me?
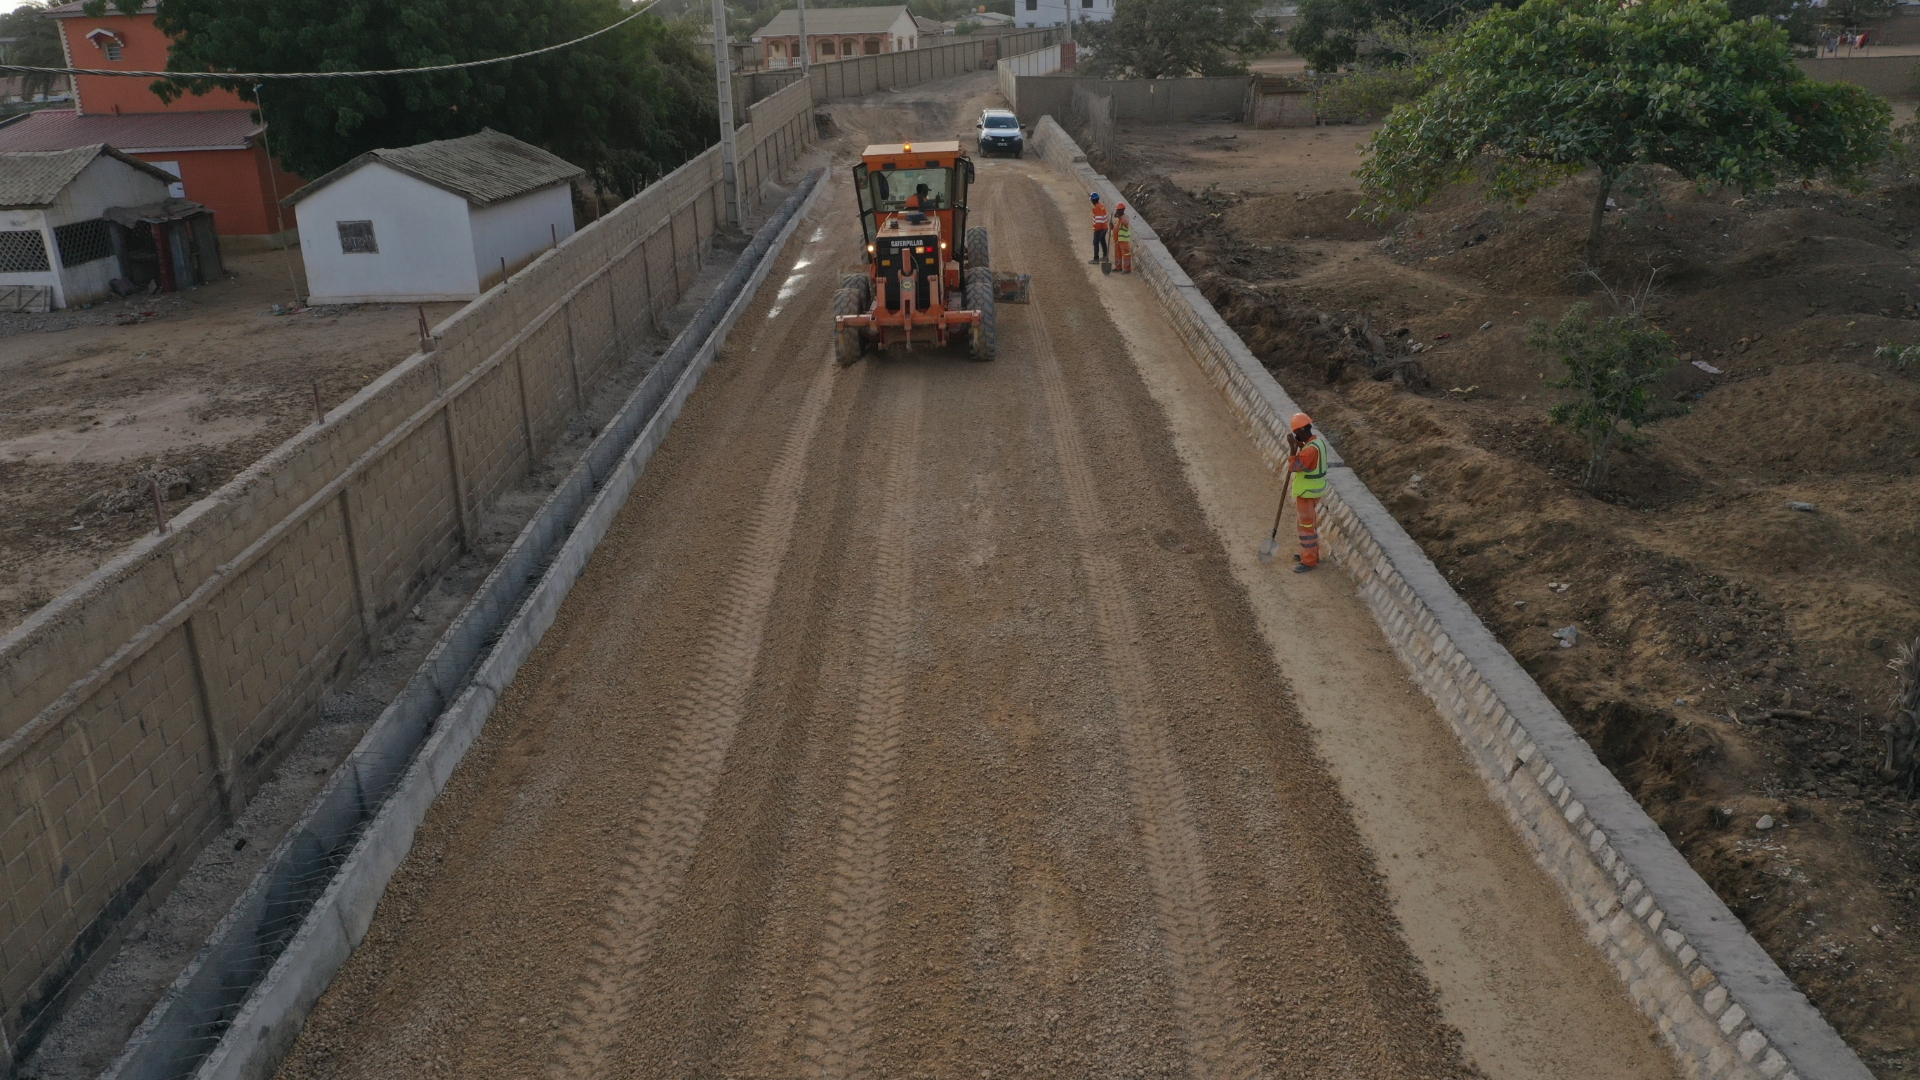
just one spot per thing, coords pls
(1306, 477)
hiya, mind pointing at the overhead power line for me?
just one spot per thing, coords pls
(262, 76)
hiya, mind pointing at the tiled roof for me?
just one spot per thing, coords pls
(135, 133)
(858, 20)
(37, 178)
(486, 168)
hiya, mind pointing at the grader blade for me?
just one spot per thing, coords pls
(1009, 287)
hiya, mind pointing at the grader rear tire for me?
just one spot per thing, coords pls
(978, 250)
(980, 298)
(847, 345)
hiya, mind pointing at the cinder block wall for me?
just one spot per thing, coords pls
(140, 709)
(1725, 1009)
(1889, 76)
(1151, 100)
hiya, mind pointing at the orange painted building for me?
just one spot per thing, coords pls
(210, 141)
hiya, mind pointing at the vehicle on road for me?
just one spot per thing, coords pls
(927, 277)
(1000, 133)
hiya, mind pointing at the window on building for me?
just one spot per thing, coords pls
(113, 50)
(23, 252)
(1033, 5)
(873, 46)
(826, 48)
(83, 242)
(356, 238)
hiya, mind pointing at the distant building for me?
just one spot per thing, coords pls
(837, 34)
(439, 221)
(211, 143)
(929, 29)
(73, 221)
(1031, 13)
(990, 20)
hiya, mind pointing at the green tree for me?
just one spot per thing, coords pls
(1611, 364)
(36, 44)
(1525, 98)
(627, 106)
(1161, 39)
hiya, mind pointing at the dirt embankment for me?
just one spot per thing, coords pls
(1731, 655)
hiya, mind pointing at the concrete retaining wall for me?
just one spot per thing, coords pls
(1039, 62)
(1722, 1004)
(1151, 100)
(889, 71)
(140, 709)
(237, 1008)
(1888, 76)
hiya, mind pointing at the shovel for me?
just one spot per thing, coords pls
(1272, 547)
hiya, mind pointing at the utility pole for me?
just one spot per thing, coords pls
(723, 74)
(806, 47)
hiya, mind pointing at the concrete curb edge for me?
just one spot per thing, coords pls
(1722, 1004)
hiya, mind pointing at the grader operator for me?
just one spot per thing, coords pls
(927, 278)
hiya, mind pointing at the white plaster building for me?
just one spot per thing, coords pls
(1032, 13)
(837, 34)
(439, 221)
(57, 247)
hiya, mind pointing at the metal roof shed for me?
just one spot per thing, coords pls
(57, 247)
(438, 221)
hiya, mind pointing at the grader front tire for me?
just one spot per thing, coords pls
(846, 339)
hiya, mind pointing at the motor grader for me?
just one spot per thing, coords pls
(927, 278)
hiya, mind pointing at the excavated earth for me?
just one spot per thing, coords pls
(1731, 655)
(913, 720)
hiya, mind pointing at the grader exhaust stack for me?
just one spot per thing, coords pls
(928, 278)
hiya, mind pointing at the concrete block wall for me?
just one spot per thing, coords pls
(140, 709)
(1150, 100)
(1891, 77)
(1723, 1006)
(1009, 69)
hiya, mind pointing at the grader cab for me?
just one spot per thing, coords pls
(927, 277)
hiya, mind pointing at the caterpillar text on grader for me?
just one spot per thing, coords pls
(927, 275)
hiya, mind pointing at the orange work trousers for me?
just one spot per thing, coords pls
(1123, 256)
(1309, 511)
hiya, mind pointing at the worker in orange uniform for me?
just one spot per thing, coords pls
(1099, 229)
(1122, 240)
(1307, 462)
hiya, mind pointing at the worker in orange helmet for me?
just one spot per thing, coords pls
(1099, 229)
(1307, 461)
(1122, 240)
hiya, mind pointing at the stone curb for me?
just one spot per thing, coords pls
(1722, 1004)
(270, 1016)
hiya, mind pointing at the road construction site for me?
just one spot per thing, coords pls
(933, 718)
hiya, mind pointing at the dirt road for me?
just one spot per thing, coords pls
(913, 720)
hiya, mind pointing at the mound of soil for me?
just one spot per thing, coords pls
(1731, 656)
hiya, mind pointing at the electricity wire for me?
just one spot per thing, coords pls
(257, 76)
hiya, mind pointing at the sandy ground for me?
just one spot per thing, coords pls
(205, 381)
(925, 718)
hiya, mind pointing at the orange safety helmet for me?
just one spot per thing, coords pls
(1299, 421)
(1121, 209)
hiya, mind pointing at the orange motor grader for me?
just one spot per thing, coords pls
(927, 278)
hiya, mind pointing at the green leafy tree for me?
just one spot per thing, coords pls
(1525, 98)
(1163, 39)
(1611, 364)
(36, 44)
(627, 106)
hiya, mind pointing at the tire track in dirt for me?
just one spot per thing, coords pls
(840, 1008)
(661, 840)
(1201, 980)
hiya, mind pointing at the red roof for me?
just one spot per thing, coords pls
(135, 133)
